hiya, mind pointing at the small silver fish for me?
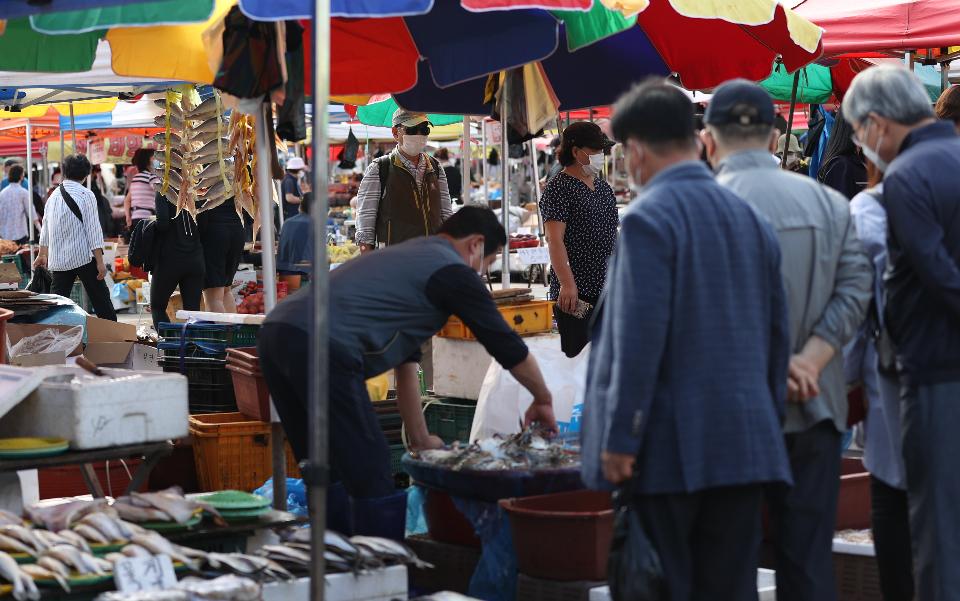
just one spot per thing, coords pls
(23, 585)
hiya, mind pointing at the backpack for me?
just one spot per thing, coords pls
(142, 242)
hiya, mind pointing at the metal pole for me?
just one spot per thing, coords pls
(30, 186)
(73, 130)
(483, 161)
(316, 471)
(60, 162)
(793, 108)
(265, 191)
(536, 195)
(466, 187)
(505, 188)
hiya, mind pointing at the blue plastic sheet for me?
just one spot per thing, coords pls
(416, 520)
(296, 495)
(495, 577)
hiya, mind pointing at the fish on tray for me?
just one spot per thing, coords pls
(23, 586)
(60, 517)
(528, 450)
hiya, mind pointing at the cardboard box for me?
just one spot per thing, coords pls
(9, 276)
(109, 343)
(18, 331)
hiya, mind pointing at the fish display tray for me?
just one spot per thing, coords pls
(492, 485)
(531, 317)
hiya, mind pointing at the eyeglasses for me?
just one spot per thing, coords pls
(418, 130)
(855, 138)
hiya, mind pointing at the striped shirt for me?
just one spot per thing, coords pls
(70, 242)
(143, 191)
(368, 196)
(14, 213)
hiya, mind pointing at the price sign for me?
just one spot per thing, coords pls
(96, 151)
(539, 255)
(136, 574)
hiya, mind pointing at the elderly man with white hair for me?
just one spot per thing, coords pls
(895, 126)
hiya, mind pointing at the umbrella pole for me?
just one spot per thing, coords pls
(31, 229)
(73, 130)
(465, 185)
(483, 160)
(315, 471)
(60, 162)
(505, 186)
(536, 195)
(793, 109)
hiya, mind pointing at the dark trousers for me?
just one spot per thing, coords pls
(186, 273)
(803, 518)
(708, 541)
(931, 451)
(96, 289)
(890, 517)
(359, 455)
(574, 331)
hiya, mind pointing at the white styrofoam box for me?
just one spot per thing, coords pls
(388, 584)
(238, 318)
(848, 548)
(766, 587)
(459, 367)
(125, 407)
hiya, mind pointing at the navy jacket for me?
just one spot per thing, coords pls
(689, 365)
(921, 193)
(296, 245)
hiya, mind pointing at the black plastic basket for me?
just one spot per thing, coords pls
(223, 335)
(210, 385)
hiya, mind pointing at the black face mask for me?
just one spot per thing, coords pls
(418, 130)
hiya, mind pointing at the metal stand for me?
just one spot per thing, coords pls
(466, 186)
(536, 195)
(793, 108)
(33, 216)
(505, 188)
(483, 161)
(315, 471)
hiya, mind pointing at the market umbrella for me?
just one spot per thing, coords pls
(164, 12)
(13, 9)
(379, 112)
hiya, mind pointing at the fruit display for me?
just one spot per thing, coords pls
(342, 254)
(252, 302)
(524, 241)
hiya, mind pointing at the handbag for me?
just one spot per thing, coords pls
(41, 282)
(634, 571)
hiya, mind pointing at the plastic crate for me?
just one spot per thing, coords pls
(210, 386)
(202, 350)
(562, 536)
(250, 390)
(531, 317)
(245, 357)
(232, 451)
(245, 335)
(450, 419)
(214, 334)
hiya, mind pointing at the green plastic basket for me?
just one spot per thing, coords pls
(450, 419)
(79, 296)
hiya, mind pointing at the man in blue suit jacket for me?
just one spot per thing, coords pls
(687, 381)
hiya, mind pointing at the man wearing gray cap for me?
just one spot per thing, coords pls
(829, 284)
(404, 194)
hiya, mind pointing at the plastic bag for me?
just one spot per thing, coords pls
(416, 520)
(49, 341)
(41, 282)
(296, 495)
(503, 400)
(634, 570)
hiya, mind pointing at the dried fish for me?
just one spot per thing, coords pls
(248, 565)
(161, 138)
(135, 513)
(175, 121)
(157, 544)
(84, 563)
(389, 550)
(54, 565)
(286, 554)
(207, 106)
(91, 534)
(10, 519)
(72, 538)
(135, 551)
(213, 169)
(230, 587)
(12, 545)
(27, 536)
(23, 585)
(60, 517)
(42, 573)
(105, 525)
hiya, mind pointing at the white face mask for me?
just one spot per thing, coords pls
(873, 154)
(413, 144)
(595, 166)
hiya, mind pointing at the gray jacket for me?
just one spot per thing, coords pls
(826, 273)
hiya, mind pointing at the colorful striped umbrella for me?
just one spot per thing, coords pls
(379, 112)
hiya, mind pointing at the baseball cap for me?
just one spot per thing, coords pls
(584, 134)
(295, 163)
(740, 102)
(405, 118)
(794, 143)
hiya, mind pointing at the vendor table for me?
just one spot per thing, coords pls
(152, 453)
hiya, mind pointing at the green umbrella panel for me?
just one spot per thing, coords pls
(162, 12)
(815, 87)
(585, 28)
(381, 114)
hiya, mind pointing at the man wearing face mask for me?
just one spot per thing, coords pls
(404, 194)
(384, 305)
(895, 127)
(580, 218)
(829, 283)
(688, 371)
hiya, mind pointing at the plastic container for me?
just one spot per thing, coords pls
(531, 317)
(563, 536)
(250, 390)
(246, 357)
(232, 451)
(102, 412)
(449, 419)
(211, 385)
(67, 480)
(5, 316)
(445, 523)
(853, 502)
